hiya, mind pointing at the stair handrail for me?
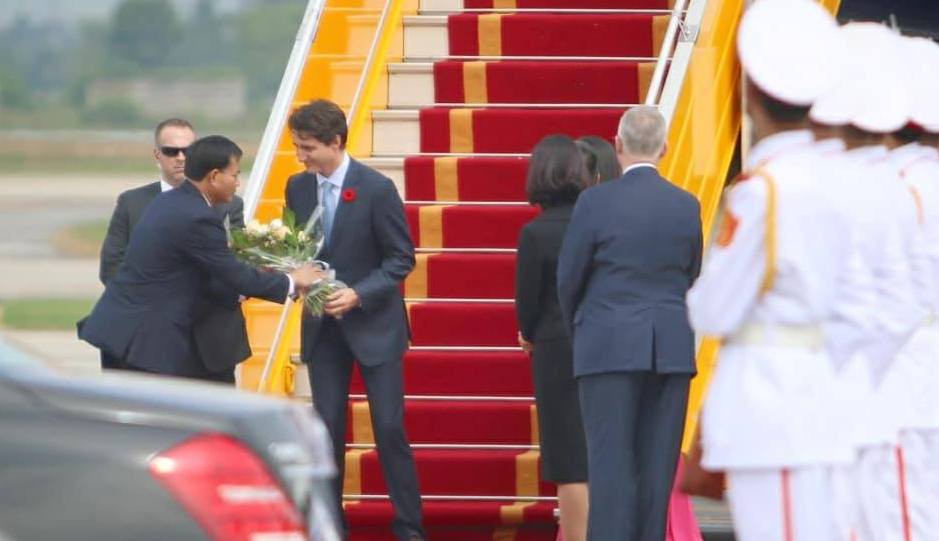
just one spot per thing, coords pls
(283, 101)
(684, 47)
(374, 64)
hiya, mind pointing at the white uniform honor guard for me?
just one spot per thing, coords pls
(917, 372)
(921, 173)
(886, 225)
(771, 282)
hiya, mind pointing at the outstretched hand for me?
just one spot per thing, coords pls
(306, 276)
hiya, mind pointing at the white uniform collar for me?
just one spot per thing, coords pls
(777, 145)
(338, 176)
(869, 154)
(830, 145)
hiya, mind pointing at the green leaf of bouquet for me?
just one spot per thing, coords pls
(289, 218)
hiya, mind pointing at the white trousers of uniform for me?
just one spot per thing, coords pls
(783, 504)
(921, 466)
(885, 498)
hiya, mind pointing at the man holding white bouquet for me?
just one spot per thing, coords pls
(368, 244)
(179, 245)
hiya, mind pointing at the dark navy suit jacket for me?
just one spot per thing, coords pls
(146, 313)
(631, 252)
(220, 340)
(371, 249)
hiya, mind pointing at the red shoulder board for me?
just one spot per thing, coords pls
(729, 224)
(742, 177)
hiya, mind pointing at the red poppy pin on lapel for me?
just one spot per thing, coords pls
(348, 195)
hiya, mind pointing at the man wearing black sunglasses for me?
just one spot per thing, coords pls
(219, 338)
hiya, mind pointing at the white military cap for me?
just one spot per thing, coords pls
(870, 92)
(786, 48)
(920, 58)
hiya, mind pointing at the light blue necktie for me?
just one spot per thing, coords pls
(328, 200)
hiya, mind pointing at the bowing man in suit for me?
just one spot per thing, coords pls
(369, 245)
(145, 316)
(631, 251)
(220, 340)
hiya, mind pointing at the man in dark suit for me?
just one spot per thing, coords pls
(178, 247)
(631, 252)
(220, 340)
(369, 246)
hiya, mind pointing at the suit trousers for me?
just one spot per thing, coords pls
(330, 374)
(634, 423)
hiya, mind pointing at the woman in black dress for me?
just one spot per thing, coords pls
(556, 175)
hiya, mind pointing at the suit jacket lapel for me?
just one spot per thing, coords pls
(306, 199)
(342, 206)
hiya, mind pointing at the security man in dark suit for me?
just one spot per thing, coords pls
(145, 316)
(220, 340)
(369, 245)
(631, 252)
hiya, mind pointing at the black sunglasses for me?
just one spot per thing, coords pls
(172, 152)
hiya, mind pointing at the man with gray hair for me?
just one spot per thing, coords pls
(632, 251)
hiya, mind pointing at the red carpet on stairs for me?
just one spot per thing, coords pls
(541, 82)
(465, 179)
(568, 4)
(459, 373)
(463, 324)
(462, 276)
(454, 421)
(508, 131)
(468, 383)
(463, 472)
(467, 226)
(556, 34)
(459, 521)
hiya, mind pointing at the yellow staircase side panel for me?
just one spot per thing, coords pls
(702, 140)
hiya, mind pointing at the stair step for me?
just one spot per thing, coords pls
(454, 276)
(493, 373)
(455, 520)
(465, 179)
(612, 35)
(477, 226)
(454, 421)
(425, 36)
(464, 473)
(549, 83)
(453, 6)
(565, 4)
(463, 324)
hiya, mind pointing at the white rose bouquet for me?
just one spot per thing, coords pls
(281, 245)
